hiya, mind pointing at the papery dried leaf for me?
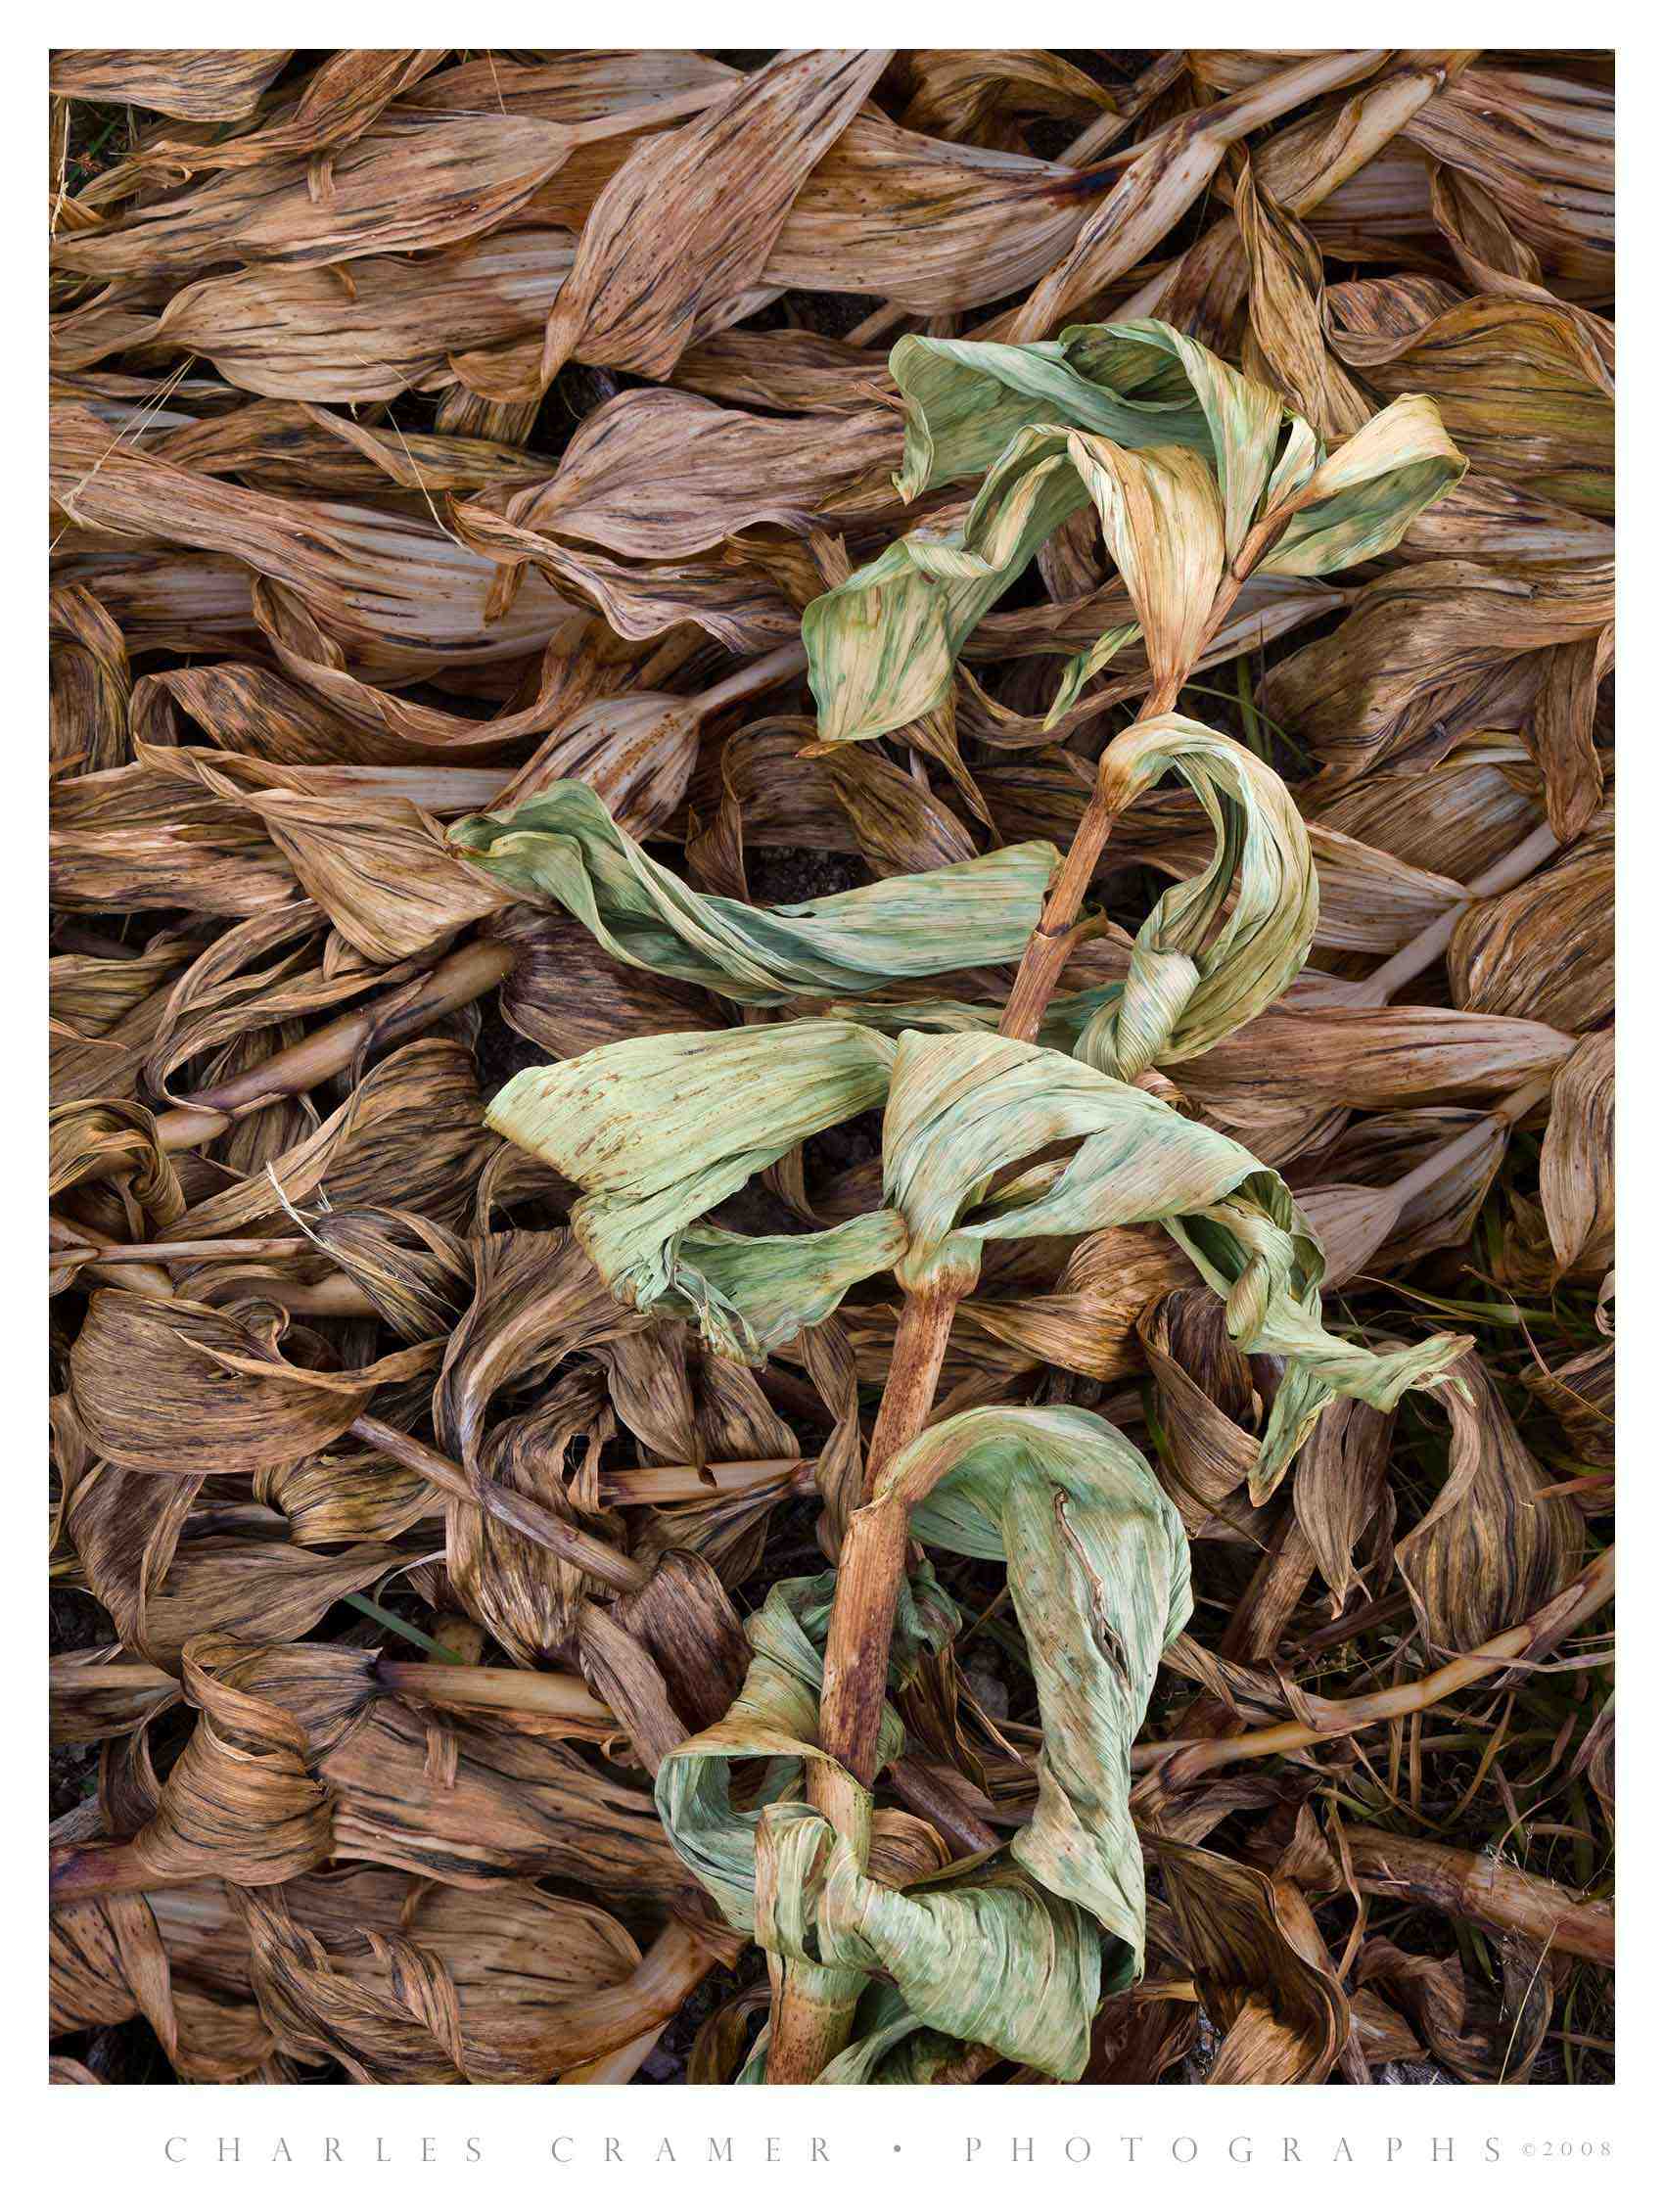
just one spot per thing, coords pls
(1547, 944)
(637, 294)
(1490, 1549)
(410, 181)
(205, 85)
(173, 1387)
(1260, 1966)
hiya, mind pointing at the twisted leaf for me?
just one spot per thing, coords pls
(564, 847)
(1009, 1955)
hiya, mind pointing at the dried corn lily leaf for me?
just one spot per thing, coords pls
(338, 104)
(775, 790)
(397, 589)
(652, 475)
(1002, 1955)
(401, 1984)
(130, 836)
(637, 294)
(1384, 1056)
(296, 1759)
(1341, 1493)
(201, 84)
(1577, 1219)
(788, 372)
(275, 444)
(978, 95)
(1547, 944)
(231, 1585)
(1491, 1549)
(537, 1301)
(378, 866)
(1435, 643)
(1260, 1965)
(329, 1979)
(1409, 1184)
(1285, 294)
(1521, 389)
(566, 995)
(91, 685)
(93, 1699)
(1561, 732)
(410, 181)
(1173, 167)
(411, 1130)
(171, 1387)
(417, 1275)
(563, 846)
(301, 333)
(114, 1141)
(109, 1964)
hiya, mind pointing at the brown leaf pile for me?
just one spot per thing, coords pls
(429, 427)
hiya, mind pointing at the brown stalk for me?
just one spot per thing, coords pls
(1474, 1885)
(1585, 1593)
(805, 2032)
(495, 1689)
(460, 978)
(574, 1545)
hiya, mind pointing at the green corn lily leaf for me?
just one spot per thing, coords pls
(965, 1106)
(964, 402)
(1361, 500)
(1075, 414)
(563, 847)
(656, 1131)
(1012, 1952)
(882, 646)
(1203, 965)
(748, 1294)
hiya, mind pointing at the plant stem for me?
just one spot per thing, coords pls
(1472, 1885)
(808, 2030)
(1585, 1593)
(1422, 950)
(574, 1545)
(459, 979)
(497, 1690)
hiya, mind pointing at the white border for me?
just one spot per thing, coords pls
(161, 2144)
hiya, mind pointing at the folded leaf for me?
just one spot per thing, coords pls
(1205, 961)
(1009, 1955)
(963, 1107)
(658, 1130)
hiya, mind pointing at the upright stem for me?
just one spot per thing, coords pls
(808, 2029)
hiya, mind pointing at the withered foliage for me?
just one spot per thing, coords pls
(447, 451)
